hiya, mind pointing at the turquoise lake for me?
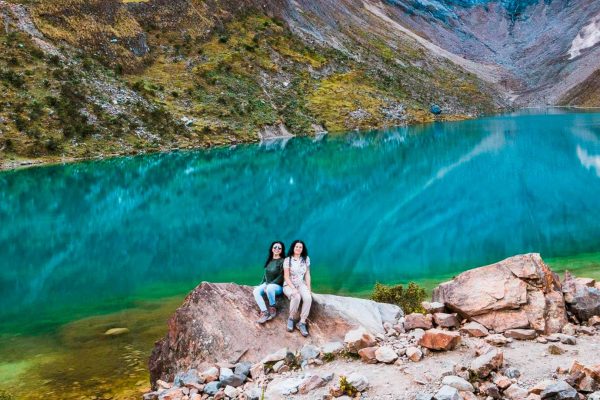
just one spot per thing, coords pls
(417, 203)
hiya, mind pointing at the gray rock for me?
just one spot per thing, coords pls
(309, 351)
(447, 393)
(512, 373)
(212, 388)
(560, 391)
(150, 396)
(515, 392)
(424, 396)
(360, 382)
(253, 393)
(277, 356)
(594, 396)
(211, 374)
(231, 392)
(332, 347)
(521, 334)
(243, 368)
(224, 373)
(187, 378)
(234, 380)
(458, 383)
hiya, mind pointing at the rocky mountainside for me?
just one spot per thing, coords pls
(86, 78)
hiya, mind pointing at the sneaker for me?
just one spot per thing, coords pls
(290, 325)
(272, 313)
(302, 328)
(264, 317)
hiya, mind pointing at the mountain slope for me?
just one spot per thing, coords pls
(88, 78)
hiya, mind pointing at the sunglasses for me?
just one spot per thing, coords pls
(276, 247)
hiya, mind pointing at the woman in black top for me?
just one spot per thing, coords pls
(272, 282)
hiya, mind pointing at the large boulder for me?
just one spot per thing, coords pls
(581, 296)
(519, 292)
(217, 322)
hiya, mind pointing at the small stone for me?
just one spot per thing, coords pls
(242, 368)
(433, 307)
(414, 354)
(309, 351)
(116, 332)
(257, 370)
(436, 339)
(188, 378)
(277, 356)
(541, 386)
(418, 320)
(277, 366)
(162, 384)
(594, 396)
(211, 374)
(586, 330)
(359, 339)
(335, 390)
(385, 354)
(360, 382)
(224, 373)
(502, 381)
(515, 392)
(231, 392)
(445, 320)
(254, 393)
(483, 365)
(474, 329)
(541, 339)
(367, 355)
(234, 380)
(458, 383)
(220, 395)
(512, 373)
(490, 390)
(332, 347)
(447, 393)
(211, 388)
(311, 383)
(593, 321)
(498, 340)
(560, 391)
(568, 329)
(521, 334)
(556, 350)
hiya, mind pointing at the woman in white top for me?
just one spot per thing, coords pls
(296, 286)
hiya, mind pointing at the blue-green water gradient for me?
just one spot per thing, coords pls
(397, 205)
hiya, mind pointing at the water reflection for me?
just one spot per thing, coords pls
(390, 205)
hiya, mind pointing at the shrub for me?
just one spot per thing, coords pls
(347, 387)
(408, 299)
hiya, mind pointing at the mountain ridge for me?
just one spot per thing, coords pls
(155, 75)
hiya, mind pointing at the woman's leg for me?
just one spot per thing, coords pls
(306, 302)
(294, 301)
(258, 296)
(273, 290)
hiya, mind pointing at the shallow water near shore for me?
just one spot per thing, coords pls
(118, 243)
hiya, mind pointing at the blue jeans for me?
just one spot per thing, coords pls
(272, 290)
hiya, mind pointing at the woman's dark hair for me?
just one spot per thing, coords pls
(304, 249)
(270, 256)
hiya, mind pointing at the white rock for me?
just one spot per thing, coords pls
(225, 372)
(458, 383)
(447, 393)
(231, 392)
(385, 354)
(360, 382)
(332, 347)
(278, 355)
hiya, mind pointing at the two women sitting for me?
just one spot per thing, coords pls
(290, 276)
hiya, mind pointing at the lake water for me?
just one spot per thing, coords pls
(88, 246)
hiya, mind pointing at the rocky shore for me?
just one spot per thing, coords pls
(510, 330)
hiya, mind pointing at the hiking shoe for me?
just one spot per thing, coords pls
(272, 313)
(290, 325)
(264, 317)
(302, 328)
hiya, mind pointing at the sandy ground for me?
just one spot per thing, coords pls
(405, 381)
